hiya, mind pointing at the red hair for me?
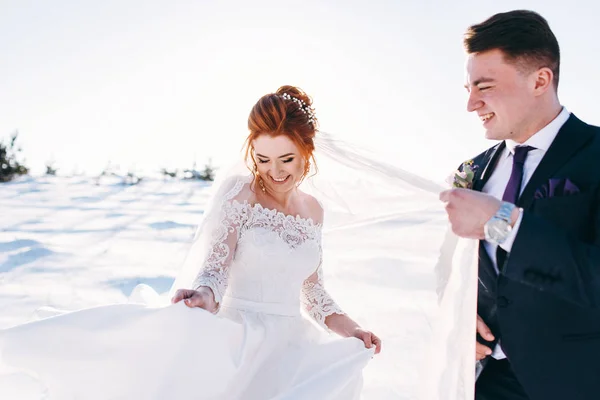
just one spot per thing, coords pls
(274, 116)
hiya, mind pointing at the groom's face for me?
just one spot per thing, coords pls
(499, 93)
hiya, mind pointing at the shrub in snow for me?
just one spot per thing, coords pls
(11, 165)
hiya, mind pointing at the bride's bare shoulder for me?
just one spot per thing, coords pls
(313, 208)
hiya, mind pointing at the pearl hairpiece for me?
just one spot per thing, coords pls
(305, 108)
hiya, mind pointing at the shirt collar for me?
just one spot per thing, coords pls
(543, 138)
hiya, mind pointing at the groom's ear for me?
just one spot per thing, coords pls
(543, 80)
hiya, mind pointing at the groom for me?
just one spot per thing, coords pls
(535, 208)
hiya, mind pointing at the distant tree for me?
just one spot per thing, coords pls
(10, 165)
(208, 174)
(131, 178)
(169, 173)
(110, 169)
(50, 168)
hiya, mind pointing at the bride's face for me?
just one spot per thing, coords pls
(279, 162)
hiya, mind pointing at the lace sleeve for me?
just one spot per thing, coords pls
(215, 269)
(316, 300)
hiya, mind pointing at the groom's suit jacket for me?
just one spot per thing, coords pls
(544, 304)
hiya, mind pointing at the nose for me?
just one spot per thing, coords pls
(473, 102)
(275, 168)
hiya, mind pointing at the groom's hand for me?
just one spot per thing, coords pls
(482, 351)
(468, 211)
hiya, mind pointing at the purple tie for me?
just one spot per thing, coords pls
(513, 191)
(513, 187)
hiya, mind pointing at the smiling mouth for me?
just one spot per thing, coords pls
(486, 117)
(279, 180)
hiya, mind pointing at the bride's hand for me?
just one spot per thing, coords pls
(202, 298)
(368, 338)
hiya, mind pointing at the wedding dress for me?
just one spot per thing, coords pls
(268, 339)
(265, 269)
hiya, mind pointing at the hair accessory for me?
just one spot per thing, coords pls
(305, 108)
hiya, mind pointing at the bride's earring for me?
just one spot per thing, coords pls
(262, 185)
(259, 178)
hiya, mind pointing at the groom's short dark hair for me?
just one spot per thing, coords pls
(523, 36)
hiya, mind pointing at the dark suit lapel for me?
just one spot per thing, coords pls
(570, 138)
(489, 163)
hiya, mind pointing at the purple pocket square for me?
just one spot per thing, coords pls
(556, 187)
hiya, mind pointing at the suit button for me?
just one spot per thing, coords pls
(502, 302)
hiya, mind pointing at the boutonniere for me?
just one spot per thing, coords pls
(463, 179)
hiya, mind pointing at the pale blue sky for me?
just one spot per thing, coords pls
(156, 83)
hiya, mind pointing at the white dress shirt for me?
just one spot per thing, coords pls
(496, 185)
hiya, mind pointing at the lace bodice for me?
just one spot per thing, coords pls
(264, 256)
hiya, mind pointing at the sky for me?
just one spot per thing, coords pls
(146, 84)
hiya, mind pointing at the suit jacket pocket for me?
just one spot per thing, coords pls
(570, 212)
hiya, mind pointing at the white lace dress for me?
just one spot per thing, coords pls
(264, 268)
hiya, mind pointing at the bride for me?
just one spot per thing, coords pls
(270, 228)
(240, 331)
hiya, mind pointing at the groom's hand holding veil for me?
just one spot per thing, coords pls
(469, 210)
(202, 298)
